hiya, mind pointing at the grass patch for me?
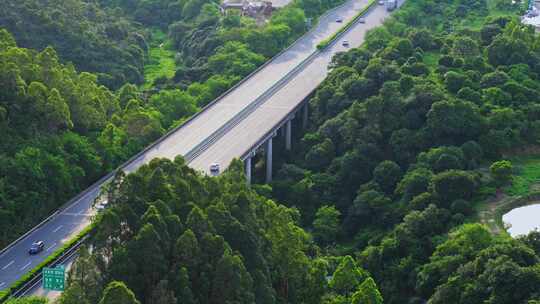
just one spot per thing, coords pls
(472, 22)
(514, 203)
(524, 190)
(527, 174)
(431, 60)
(490, 211)
(160, 59)
(475, 22)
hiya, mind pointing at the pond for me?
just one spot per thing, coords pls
(522, 220)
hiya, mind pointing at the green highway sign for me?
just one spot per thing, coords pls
(53, 278)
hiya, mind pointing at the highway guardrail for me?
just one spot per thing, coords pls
(224, 94)
(108, 176)
(96, 185)
(325, 43)
(235, 120)
(336, 36)
(36, 279)
(28, 233)
(29, 280)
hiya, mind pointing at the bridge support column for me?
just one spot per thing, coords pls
(269, 160)
(288, 127)
(247, 167)
(305, 115)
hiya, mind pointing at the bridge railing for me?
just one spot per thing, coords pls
(108, 176)
(269, 134)
(203, 145)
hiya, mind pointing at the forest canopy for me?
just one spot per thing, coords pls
(61, 131)
(172, 236)
(94, 39)
(378, 202)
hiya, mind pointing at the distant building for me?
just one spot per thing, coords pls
(532, 17)
(248, 8)
(391, 5)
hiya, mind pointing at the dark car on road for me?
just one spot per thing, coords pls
(36, 247)
(214, 169)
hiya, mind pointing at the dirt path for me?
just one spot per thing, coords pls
(490, 213)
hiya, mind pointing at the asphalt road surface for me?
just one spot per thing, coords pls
(241, 138)
(37, 289)
(197, 130)
(61, 228)
(16, 261)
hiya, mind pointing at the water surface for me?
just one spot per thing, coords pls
(522, 220)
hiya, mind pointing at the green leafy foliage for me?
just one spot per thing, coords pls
(501, 171)
(401, 128)
(171, 233)
(118, 293)
(28, 300)
(62, 131)
(528, 172)
(347, 276)
(93, 39)
(326, 224)
(367, 293)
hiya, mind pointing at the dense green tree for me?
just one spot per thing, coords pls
(414, 182)
(427, 94)
(162, 294)
(232, 283)
(501, 171)
(453, 184)
(455, 121)
(326, 224)
(367, 293)
(234, 58)
(93, 39)
(347, 276)
(118, 293)
(84, 279)
(183, 288)
(73, 295)
(462, 244)
(387, 174)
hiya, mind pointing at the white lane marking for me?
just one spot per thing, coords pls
(51, 246)
(82, 198)
(9, 264)
(27, 264)
(76, 214)
(58, 228)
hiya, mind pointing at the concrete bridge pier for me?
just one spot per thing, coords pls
(305, 115)
(269, 160)
(247, 167)
(288, 130)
